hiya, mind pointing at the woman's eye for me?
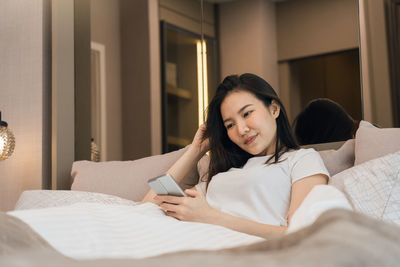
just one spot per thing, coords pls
(247, 113)
(229, 126)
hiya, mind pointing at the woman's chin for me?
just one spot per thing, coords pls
(256, 151)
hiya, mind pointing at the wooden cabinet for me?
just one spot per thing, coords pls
(181, 89)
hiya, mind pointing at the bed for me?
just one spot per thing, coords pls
(354, 221)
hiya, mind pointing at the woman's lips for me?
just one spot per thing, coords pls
(250, 139)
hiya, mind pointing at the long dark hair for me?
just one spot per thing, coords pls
(322, 121)
(224, 154)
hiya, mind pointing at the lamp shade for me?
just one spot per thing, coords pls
(7, 141)
(94, 151)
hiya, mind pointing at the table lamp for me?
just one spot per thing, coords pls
(7, 141)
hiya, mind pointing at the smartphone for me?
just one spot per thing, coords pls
(166, 185)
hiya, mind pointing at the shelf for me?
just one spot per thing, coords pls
(179, 107)
(178, 141)
(179, 92)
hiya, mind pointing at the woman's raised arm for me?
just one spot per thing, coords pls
(186, 162)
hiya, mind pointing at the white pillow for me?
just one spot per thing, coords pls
(373, 187)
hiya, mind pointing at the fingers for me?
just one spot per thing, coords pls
(192, 193)
(169, 199)
(169, 207)
(172, 210)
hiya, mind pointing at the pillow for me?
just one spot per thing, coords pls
(373, 188)
(373, 142)
(339, 160)
(126, 179)
(38, 199)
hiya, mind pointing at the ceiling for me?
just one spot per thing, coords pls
(225, 1)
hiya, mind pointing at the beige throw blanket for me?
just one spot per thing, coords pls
(337, 238)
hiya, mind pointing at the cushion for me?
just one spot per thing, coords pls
(373, 187)
(126, 179)
(338, 160)
(373, 142)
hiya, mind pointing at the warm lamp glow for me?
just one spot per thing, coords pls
(7, 141)
(202, 80)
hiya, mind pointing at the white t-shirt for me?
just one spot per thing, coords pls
(261, 192)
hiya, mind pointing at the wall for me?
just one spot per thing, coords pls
(335, 76)
(133, 95)
(186, 14)
(105, 29)
(24, 95)
(247, 34)
(375, 64)
(308, 28)
(135, 73)
(82, 90)
(312, 27)
(155, 77)
(62, 93)
(139, 90)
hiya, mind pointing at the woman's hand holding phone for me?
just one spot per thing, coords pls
(193, 208)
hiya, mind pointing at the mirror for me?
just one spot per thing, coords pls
(303, 50)
(300, 47)
(134, 107)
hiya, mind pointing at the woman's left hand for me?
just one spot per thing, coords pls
(193, 208)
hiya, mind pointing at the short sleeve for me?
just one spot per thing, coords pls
(304, 163)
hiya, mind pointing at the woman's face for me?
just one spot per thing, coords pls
(249, 123)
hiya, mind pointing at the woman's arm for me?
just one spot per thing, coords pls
(245, 225)
(300, 190)
(178, 171)
(185, 163)
(196, 209)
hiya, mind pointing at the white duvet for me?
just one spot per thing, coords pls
(93, 230)
(87, 230)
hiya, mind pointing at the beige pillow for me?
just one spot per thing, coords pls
(373, 188)
(373, 142)
(339, 160)
(126, 179)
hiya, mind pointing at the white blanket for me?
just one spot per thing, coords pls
(92, 230)
(320, 199)
(105, 229)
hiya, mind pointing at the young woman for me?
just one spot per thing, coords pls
(257, 176)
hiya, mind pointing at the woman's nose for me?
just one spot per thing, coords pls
(242, 129)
